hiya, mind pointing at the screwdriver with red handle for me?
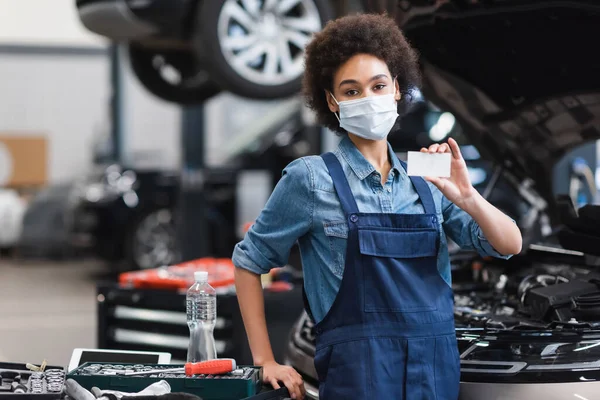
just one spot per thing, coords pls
(210, 367)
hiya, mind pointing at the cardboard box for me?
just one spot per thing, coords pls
(23, 160)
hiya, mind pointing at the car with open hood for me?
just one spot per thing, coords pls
(521, 79)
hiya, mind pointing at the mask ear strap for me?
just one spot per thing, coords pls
(336, 102)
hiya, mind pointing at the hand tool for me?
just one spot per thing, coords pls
(9, 373)
(112, 371)
(18, 388)
(35, 368)
(5, 385)
(210, 367)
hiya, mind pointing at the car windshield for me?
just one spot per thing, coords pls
(243, 126)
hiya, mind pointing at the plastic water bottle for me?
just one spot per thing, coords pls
(201, 305)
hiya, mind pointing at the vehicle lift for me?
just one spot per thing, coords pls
(191, 223)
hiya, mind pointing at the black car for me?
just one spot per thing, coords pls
(521, 79)
(185, 51)
(126, 214)
(129, 216)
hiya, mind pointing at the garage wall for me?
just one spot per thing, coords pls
(55, 80)
(40, 95)
(37, 82)
(44, 22)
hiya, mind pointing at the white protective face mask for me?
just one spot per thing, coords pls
(371, 117)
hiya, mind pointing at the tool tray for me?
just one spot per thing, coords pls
(28, 379)
(209, 387)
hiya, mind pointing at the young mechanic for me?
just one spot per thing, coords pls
(372, 240)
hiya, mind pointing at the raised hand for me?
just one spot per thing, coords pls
(457, 188)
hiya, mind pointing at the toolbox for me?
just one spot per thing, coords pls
(19, 383)
(155, 320)
(231, 386)
(181, 276)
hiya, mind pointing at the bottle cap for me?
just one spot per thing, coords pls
(201, 276)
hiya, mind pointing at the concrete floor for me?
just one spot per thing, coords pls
(48, 308)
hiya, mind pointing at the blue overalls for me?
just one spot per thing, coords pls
(390, 332)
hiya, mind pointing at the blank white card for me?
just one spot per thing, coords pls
(429, 164)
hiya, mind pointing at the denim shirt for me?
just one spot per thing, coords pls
(304, 208)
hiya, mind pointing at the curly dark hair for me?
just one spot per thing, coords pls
(343, 38)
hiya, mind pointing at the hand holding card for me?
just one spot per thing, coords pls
(444, 166)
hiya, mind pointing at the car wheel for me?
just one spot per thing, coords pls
(256, 48)
(173, 75)
(152, 241)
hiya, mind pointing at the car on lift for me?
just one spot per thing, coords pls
(186, 51)
(521, 79)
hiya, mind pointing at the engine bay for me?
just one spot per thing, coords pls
(529, 293)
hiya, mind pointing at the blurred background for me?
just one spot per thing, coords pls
(139, 134)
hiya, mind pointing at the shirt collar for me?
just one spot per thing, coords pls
(361, 167)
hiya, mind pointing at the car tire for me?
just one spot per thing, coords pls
(219, 20)
(146, 224)
(155, 68)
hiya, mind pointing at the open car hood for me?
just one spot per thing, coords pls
(520, 76)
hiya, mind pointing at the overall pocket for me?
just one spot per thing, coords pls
(344, 370)
(337, 238)
(400, 270)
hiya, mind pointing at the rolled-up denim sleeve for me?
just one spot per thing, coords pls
(465, 232)
(287, 216)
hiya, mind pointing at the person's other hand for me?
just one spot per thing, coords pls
(76, 391)
(457, 188)
(273, 373)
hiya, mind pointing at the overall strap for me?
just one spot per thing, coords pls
(340, 183)
(424, 192)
